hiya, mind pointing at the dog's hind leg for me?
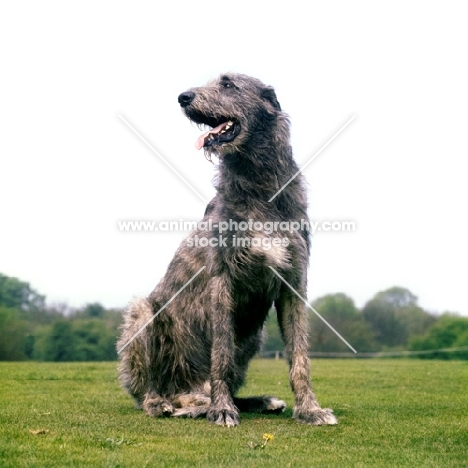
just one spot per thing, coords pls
(132, 348)
(160, 368)
(192, 405)
(156, 405)
(135, 370)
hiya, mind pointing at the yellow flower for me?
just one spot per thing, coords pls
(265, 440)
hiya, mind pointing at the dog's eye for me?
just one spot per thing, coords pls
(226, 84)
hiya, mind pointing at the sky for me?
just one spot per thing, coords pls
(71, 169)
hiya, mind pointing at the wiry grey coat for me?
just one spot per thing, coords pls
(192, 358)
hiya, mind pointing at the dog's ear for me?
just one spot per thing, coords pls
(269, 94)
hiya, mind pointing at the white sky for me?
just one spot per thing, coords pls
(70, 168)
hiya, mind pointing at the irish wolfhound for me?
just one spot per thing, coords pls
(192, 358)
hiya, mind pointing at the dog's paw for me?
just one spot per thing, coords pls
(318, 417)
(275, 406)
(155, 406)
(223, 417)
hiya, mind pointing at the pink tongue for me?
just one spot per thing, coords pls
(201, 140)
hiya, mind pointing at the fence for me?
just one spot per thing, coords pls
(280, 354)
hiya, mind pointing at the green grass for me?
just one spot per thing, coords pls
(392, 413)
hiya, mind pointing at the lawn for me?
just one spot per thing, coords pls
(392, 413)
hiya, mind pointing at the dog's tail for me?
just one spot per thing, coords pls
(131, 348)
(260, 404)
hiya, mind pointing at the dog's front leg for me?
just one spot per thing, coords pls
(292, 316)
(222, 410)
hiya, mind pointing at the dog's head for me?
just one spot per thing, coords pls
(236, 108)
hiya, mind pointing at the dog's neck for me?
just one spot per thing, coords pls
(247, 182)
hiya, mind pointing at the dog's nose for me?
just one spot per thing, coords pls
(186, 98)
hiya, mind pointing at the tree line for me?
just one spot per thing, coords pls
(31, 329)
(391, 321)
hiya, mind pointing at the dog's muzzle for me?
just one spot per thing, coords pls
(223, 129)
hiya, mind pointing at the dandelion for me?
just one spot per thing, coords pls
(265, 440)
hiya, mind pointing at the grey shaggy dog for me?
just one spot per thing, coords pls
(192, 358)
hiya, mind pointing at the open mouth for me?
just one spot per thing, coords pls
(223, 130)
(223, 133)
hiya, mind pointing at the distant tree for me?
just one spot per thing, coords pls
(18, 294)
(397, 297)
(414, 320)
(59, 342)
(450, 331)
(94, 310)
(339, 310)
(12, 335)
(44, 316)
(59, 309)
(394, 316)
(31, 330)
(29, 345)
(381, 317)
(113, 319)
(94, 341)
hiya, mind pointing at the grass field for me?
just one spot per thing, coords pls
(392, 413)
